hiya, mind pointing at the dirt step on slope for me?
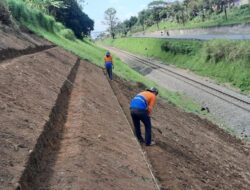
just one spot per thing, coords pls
(190, 153)
(97, 149)
(29, 88)
(94, 149)
(14, 43)
(16, 39)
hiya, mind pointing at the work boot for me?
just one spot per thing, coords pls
(141, 141)
(151, 144)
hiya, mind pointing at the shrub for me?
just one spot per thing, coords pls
(67, 33)
(33, 17)
(180, 47)
(58, 27)
(229, 51)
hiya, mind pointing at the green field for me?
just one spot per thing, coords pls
(223, 60)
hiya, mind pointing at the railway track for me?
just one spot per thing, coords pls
(240, 101)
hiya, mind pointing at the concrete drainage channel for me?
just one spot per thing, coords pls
(48, 143)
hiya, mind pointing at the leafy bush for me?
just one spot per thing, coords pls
(181, 47)
(59, 26)
(229, 51)
(68, 34)
(22, 14)
(245, 7)
(33, 17)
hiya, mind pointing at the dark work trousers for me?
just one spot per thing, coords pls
(109, 71)
(142, 115)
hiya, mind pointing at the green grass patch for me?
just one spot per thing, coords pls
(35, 18)
(223, 60)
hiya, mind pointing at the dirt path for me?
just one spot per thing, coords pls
(191, 153)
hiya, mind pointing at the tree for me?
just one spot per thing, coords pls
(73, 18)
(111, 20)
(122, 28)
(132, 21)
(178, 9)
(142, 16)
(156, 8)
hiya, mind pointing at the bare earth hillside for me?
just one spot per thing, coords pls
(62, 128)
(190, 152)
(64, 125)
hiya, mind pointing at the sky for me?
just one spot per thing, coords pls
(125, 9)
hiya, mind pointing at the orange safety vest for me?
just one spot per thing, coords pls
(108, 59)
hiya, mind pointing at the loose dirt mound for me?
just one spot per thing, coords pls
(191, 153)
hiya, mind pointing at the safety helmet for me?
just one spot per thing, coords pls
(107, 53)
(152, 89)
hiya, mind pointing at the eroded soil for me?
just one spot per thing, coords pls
(190, 152)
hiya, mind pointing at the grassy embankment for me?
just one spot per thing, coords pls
(55, 32)
(235, 16)
(223, 60)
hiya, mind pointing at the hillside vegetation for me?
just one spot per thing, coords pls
(226, 61)
(46, 26)
(236, 15)
(186, 14)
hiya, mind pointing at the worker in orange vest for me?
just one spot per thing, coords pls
(141, 107)
(109, 64)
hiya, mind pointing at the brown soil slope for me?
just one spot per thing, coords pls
(29, 89)
(97, 149)
(13, 39)
(60, 135)
(61, 127)
(191, 153)
(14, 43)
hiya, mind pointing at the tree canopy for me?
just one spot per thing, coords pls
(73, 17)
(111, 20)
(68, 12)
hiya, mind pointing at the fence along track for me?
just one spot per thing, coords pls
(208, 89)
